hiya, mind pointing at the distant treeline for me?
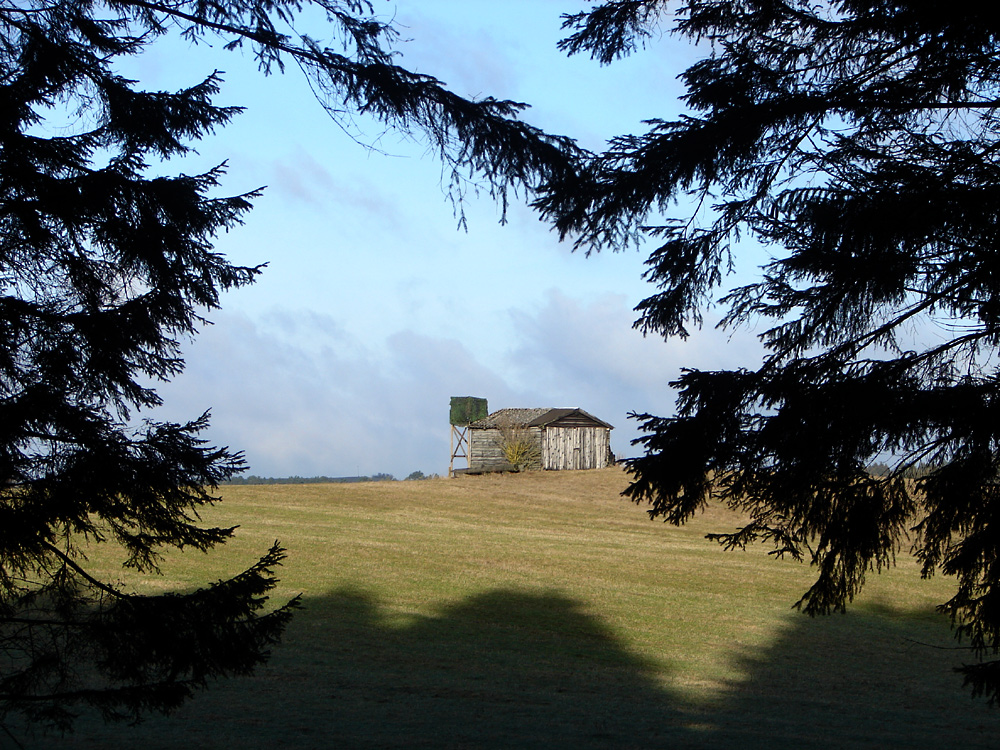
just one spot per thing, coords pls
(912, 472)
(254, 479)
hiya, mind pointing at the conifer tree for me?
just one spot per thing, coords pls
(858, 142)
(104, 270)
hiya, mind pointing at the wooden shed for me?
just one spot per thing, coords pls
(558, 439)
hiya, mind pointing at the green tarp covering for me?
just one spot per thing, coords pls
(467, 409)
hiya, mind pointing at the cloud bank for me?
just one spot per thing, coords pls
(303, 396)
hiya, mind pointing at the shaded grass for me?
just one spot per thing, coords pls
(543, 610)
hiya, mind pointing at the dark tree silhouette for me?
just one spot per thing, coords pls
(103, 270)
(857, 140)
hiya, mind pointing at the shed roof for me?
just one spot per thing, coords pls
(540, 417)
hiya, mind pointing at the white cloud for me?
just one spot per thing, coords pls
(586, 354)
(301, 396)
(300, 177)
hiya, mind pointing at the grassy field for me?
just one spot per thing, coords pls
(542, 610)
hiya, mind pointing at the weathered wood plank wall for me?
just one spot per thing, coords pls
(562, 448)
(485, 453)
(575, 448)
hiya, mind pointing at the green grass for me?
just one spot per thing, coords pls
(542, 610)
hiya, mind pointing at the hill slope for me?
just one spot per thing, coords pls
(542, 610)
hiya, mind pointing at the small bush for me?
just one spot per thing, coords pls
(516, 442)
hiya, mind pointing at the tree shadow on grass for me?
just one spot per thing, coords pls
(510, 669)
(874, 677)
(503, 669)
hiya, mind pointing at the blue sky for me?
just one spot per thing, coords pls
(375, 307)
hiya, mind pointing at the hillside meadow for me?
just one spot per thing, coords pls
(543, 610)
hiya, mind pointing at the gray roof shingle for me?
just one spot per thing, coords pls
(531, 417)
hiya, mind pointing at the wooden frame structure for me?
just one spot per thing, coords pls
(459, 446)
(563, 439)
(464, 411)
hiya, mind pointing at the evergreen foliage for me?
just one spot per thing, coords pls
(857, 141)
(103, 270)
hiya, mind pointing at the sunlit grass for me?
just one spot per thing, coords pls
(542, 609)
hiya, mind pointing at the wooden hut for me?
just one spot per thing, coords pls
(551, 439)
